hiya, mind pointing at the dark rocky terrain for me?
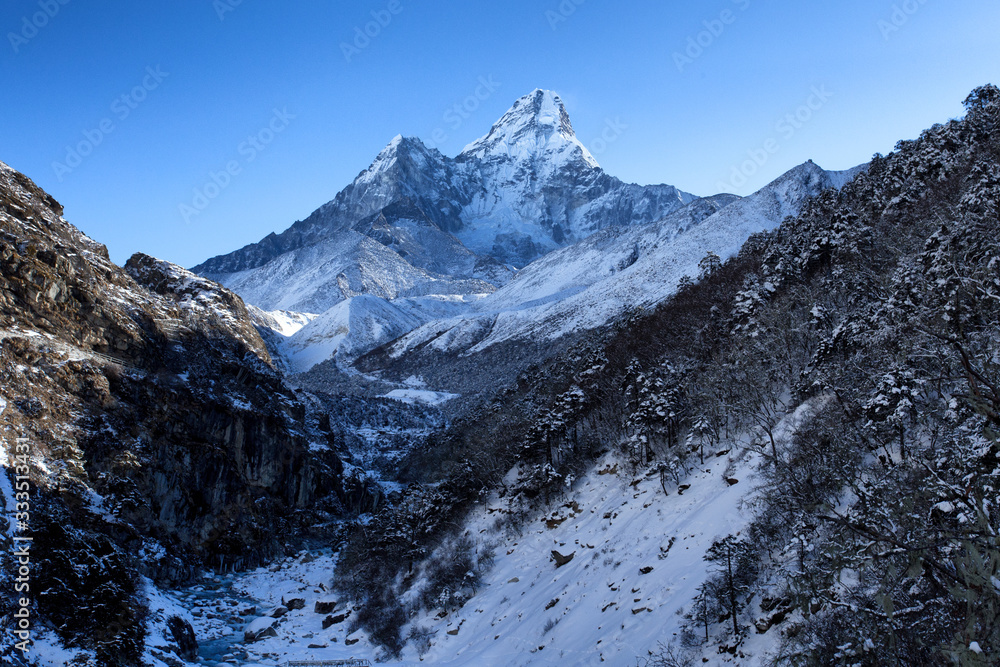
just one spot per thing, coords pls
(157, 424)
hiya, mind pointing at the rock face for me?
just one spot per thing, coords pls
(183, 634)
(417, 223)
(153, 409)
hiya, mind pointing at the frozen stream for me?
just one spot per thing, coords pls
(220, 613)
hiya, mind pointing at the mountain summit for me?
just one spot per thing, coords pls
(537, 123)
(417, 223)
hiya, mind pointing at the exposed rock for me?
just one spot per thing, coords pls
(152, 392)
(294, 604)
(259, 629)
(560, 559)
(325, 606)
(334, 620)
(183, 634)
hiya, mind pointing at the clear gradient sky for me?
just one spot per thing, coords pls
(200, 77)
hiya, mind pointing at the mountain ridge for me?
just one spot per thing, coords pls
(485, 197)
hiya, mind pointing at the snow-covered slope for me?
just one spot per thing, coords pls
(316, 277)
(282, 322)
(603, 254)
(591, 283)
(637, 559)
(363, 323)
(598, 608)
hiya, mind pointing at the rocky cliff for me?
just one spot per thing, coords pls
(154, 419)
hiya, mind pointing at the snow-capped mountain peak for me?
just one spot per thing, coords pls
(538, 122)
(407, 149)
(416, 223)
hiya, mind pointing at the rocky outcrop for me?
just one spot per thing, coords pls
(154, 416)
(183, 634)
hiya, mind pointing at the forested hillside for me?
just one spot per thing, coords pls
(874, 537)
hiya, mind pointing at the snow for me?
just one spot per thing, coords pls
(536, 124)
(600, 588)
(605, 605)
(363, 323)
(620, 528)
(420, 396)
(46, 651)
(162, 605)
(591, 283)
(283, 322)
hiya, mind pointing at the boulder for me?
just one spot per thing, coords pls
(183, 634)
(334, 620)
(325, 606)
(560, 559)
(259, 629)
(294, 604)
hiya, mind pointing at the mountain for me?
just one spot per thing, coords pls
(791, 457)
(423, 248)
(593, 282)
(417, 223)
(537, 188)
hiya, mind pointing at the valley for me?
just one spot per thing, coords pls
(506, 409)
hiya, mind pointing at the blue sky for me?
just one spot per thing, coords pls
(259, 109)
